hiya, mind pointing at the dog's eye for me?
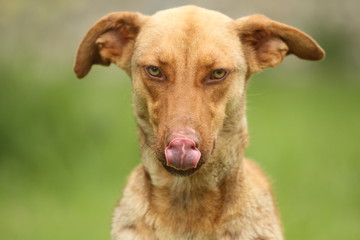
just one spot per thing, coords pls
(217, 75)
(154, 72)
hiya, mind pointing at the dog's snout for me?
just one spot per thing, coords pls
(182, 154)
(188, 133)
(181, 150)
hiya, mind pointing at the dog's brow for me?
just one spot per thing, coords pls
(214, 63)
(207, 62)
(158, 58)
(164, 62)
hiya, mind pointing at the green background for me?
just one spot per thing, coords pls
(68, 145)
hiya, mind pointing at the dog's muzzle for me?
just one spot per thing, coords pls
(182, 154)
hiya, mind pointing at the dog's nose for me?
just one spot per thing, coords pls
(182, 154)
(188, 133)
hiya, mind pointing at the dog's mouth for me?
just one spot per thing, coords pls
(181, 157)
(182, 154)
(183, 173)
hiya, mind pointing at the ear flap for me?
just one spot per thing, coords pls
(111, 39)
(267, 42)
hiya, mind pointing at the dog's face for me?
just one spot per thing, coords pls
(189, 68)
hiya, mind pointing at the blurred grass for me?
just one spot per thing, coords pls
(306, 139)
(67, 145)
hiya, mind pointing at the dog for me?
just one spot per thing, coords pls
(190, 68)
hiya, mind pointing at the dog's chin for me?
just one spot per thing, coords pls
(182, 173)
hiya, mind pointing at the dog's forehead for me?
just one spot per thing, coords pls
(187, 12)
(189, 30)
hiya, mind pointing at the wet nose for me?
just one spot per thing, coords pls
(188, 133)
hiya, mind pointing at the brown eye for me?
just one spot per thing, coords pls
(154, 72)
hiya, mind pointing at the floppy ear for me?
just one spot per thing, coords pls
(111, 39)
(266, 42)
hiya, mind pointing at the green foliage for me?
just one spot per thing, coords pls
(67, 146)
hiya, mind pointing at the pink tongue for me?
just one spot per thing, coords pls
(182, 154)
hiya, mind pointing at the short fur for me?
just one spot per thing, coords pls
(226, 196)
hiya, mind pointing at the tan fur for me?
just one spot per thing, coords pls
(228, 197)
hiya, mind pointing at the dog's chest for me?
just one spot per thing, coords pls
(189, 224)
(152, 213)
(174, 230)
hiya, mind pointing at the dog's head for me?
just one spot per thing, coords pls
(189, 68)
